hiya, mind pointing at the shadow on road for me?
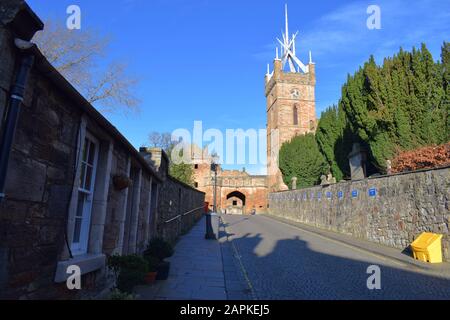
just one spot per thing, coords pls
(295, 269)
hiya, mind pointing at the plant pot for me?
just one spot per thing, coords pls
(163, 270)
(150, 277)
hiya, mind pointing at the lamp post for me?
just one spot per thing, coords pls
(214, 169)
(209, 229)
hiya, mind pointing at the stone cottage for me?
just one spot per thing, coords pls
(73, 189)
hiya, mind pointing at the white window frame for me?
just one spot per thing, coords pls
(81, 247)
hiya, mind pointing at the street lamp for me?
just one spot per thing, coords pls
(209, 229)
(214, 169)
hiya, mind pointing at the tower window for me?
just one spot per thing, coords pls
(196, 166)
(295, 115)
(196, 184)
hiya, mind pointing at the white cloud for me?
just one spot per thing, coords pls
(343, 32)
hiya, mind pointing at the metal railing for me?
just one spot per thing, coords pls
(183, 214)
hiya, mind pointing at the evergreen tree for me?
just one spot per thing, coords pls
(335, 141)
(400, 105)
(183, 172)
(429, 125)
(301, 158)
(445, 57)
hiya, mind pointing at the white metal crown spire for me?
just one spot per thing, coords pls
(288, 49)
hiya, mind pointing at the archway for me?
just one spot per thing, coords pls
(235, 203)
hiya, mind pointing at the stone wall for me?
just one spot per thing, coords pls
(116, 203)
(391, 210)
(38, 188)
(180, 207)
(7, 62)
(34, 217)
(37, 215)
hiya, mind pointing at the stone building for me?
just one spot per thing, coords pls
(237, 192)
(182, 204)
(76, 190)
(291, 111)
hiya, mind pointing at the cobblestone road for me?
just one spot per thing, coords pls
(285, 262)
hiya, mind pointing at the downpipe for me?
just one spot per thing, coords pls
(13, 107)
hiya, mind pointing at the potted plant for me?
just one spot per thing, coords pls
(151, 275)
(160, 249)
(129, 270)
(163, 270)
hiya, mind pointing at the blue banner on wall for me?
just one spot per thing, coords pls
(372, 192)
(354, 193)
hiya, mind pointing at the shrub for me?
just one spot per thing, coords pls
(128, 279)
(159, 248)
(130, 271)
(132, 262)
(116, 294)
(153, 263)
(422, 158)
(301, 158)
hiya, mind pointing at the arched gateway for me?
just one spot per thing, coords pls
(235, 203)
(237, 192)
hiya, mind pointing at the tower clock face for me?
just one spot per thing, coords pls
(295, 93)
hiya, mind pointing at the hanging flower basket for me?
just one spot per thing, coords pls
(121, 182)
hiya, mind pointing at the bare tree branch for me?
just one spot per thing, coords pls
(160, 140)
(76, 54)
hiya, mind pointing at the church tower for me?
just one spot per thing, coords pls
(291, 107)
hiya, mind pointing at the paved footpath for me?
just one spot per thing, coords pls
(200, 270)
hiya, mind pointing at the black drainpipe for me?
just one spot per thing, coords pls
(12, 112)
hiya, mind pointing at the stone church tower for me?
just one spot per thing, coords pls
(291, 110)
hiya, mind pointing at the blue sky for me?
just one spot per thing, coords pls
(206, 59)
